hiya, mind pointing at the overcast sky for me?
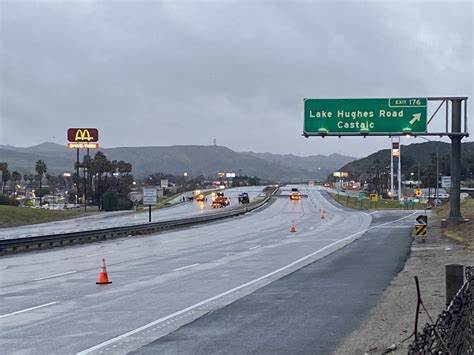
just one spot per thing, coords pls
(182, 72)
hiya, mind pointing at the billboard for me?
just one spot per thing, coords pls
(341, 174)
(80, 138)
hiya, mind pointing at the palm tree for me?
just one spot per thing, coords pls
(100, 165)
(41, 170)
(3, 170)
(5, 178)
(16, 176)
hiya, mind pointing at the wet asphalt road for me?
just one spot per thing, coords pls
(163, 282)
(126, 218)
(307, 312)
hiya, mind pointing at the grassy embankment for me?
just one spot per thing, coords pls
(355, 203)
(11, 216)
(462, 233)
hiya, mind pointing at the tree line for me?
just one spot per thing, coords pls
(100, 182)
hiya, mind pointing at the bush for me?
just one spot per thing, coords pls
(124, 203)
(41, 192)
(7, 200)
(112, 201)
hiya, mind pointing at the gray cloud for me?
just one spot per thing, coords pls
(162, 73)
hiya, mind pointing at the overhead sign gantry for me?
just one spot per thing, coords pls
(392, 117)
(362, 116)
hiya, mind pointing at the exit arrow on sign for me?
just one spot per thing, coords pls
(415, 117)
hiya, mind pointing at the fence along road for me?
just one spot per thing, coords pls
(106, 220)
(162, 282)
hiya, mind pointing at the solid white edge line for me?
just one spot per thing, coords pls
(27, 309)
(55, 275)
(185, 267)
(163, 319)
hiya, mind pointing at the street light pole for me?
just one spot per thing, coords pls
(437, 174)
(437, 168)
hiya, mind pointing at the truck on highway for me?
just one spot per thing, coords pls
(220, 201)
(244, 197)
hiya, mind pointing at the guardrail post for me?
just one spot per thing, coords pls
(454, 281)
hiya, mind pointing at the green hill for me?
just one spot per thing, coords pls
(414, 156)
(194, 159)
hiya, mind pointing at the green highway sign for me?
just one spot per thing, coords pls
(395, 115)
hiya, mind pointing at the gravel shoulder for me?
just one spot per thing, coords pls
(392, 319)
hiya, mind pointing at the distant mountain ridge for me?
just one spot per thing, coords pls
(316, 164)
(193, 159)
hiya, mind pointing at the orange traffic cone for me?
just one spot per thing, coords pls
(293, 228)
(103, 277)
(322, 213)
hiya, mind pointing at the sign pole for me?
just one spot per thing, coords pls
(454, 198)
(391, 169)
(77, 176)
(149, 213)
(400, 172)
(85, 188)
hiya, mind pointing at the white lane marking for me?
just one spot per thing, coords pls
(27, 309)
(255, 247)
(211, 299)
(55, 275)
(185, 267)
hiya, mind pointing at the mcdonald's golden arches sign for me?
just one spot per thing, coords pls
(83, 138)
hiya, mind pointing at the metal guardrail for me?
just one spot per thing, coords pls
(9, 246)
(453, 331)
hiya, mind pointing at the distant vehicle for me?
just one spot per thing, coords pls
(220, 201)
(244, 197)
(294, 189)
(326, 185)
(200, 197)
(295, 196)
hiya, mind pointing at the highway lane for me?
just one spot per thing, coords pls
(106, 220)
(160, 282)
(307, 312)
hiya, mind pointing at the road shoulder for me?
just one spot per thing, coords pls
(392, 319)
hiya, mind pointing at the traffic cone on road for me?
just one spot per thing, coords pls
(103, 277)
(322, 213)
(293, 228)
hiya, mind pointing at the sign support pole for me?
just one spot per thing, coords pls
(77, 176)
(400, 172)
(454, 198)
(149, 213)
(391, 170)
